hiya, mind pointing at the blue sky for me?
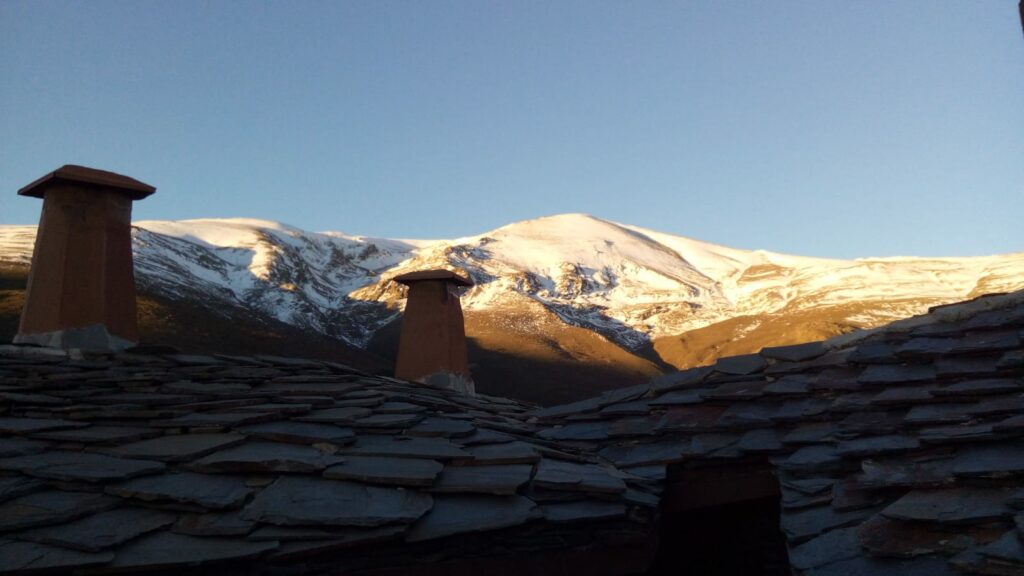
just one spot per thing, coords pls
(837, 129)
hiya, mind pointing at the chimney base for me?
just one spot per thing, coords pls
(94, 338)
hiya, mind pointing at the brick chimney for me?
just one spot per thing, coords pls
(432, 345)
(81, 288)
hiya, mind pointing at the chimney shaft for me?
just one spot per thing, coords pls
(433, 338)
(81, 287)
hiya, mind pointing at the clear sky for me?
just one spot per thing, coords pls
(839, 129)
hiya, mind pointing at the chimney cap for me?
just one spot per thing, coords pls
(90, 176)
(423, 275)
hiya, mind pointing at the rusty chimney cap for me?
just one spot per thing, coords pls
(91, 177)
(422, 275)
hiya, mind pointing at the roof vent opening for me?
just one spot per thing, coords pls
(432, 344)
(81, 286)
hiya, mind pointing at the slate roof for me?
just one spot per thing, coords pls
(139, 462)
(898, 451)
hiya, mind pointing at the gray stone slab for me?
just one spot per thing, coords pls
(31, 557)
(830, 547)
(14, 446)
(990, 461)
(213, 524)
(258, 456)
(300, 432)
(100, 435)
(583, 511)
(865, 566)
(951, 506)
(214, 419)
(561, 475)
(168, 550)
(390, 421)
(872, 422)
(598, 430)
(516, 452)
(680, 397)
(811, 459)
(965, 366)
(897, 395)
(905, 472)
(848, 494)
(876, 445)
(795, 352)
(764, 440)
(802, 525)
(298, 501)
(811, 433)
(956, 433)
(409, 447)
(874, 353)
(386, 470)
(743, 390)
(345, 415)
(16, 425)
(662, 453)
(215, 492)
(58, 465)
(685, 379)
(744, 415)
(443, 427)
(1009, 549)
(485, 436)
(927, 347)
(803, 409)
(982, 387)
(457, 514)
(897, 373)
(789, 385)
(177, 448)
(51, 507)
(103, 530)
(14, 486)
(334, 541)
(500, 480)
(741, 365)
(988, 341)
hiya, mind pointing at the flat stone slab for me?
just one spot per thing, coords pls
(561, 475)
(177, 448)
(955, 506)
(444, 427)
(103, 530)
(298, 501)
(457, 514)
(802, 525)
(876, 445)
(399, 421)
(812, 458)
(344, 415)
(982, 387)
(795, 352)
(14, 446)
(51, 507)
(883, 536)
(79, 466)
(15, 425)
(500, 480)
(14, 486)
(830, 547)
(515, 452)
(167, 550)
(213, 524)
(300, 432)
(32, 557)
(99, 435)
(643, 454)
(583, 511)
(406, 447)
(897, 374)
(208, 491)
(256, 456)
(741, 365)
(599, 430)
(680, 397)
(895, 472)
(995, 461)
(764, 440)
(386, 470)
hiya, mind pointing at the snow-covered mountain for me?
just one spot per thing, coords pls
(628, 284)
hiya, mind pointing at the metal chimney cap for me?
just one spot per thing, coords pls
(440, 274)
(70, 173)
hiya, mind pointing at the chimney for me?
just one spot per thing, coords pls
(81, 288)
(432, 345)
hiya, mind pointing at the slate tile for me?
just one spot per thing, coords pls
(956, 433)
(685, 379)
(989, 341)
(443, 427)
(876, 446)
(990, 461)
(340, 540)
(485, 436)
(906, 472)
(811, 433)
(661, 453)
(30, 557)
(386, 470)
(938, 414)
(825, 549)
(560, 475)
(679, 397)
(794, 410)
(897, 374)
(743, 415)
(408, 447)
(102, 530)
(634, 407)
(60, 465)
(14, 486)
(1004, 404)
(811, 458)
(177, 448)
(582, 511)
(300, 432)
(257, 456)
(506, 453)
(872, 422)
(863, 566)
(213, 524)
(951, 366)
(499, 480)
(795, 352)
(953, 506)
(883, 536)
(845, 378)
(802, 525)
(168, 550)
(16, 425)
(874, 353)
(457, 514)
(599, 430)
(636, 426)
(297, 500)
(982, 387)
(925, 347)
(214, 420)
(100, 434)
(741, 365)
(900, 395)
(743, 390)
(14, 446)
(853, 402)
(847, 494)
(344, 415)
(760, 441)
(51, 507)
(1014, 424)
(213, 492)
(711, 445)
(1008, 550)
(394, 421)
(1010, 360)
(691, 418)
(789, 385)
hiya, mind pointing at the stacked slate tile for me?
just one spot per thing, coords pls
(897, 452)
(163, 462)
